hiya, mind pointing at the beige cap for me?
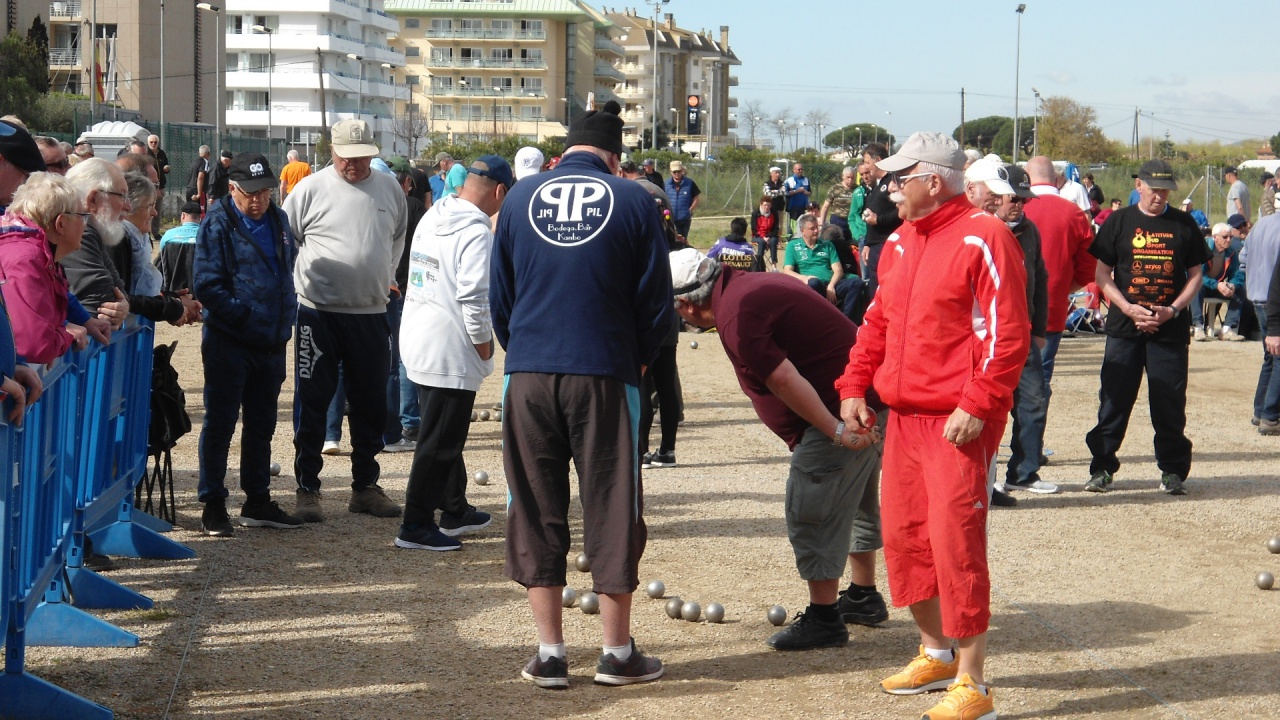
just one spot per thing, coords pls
(352, 139)
(929, 147)
(676, 165)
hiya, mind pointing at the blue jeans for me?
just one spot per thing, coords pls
(1266, 401)
(402, 394)
(337, 408)
(848, 294)
(1030, 411)
(1235, 305)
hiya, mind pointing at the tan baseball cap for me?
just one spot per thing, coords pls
(352, 139)
(676, 166)
(931, 147)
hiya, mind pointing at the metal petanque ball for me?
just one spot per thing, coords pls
(777, 615)
(497, 416)
(590, 603)
(656, 589)
(1265, 580)
(568, 597)
(484, 414)
(275, 470)
(474, 416)
(694, 344)
(1274, 544)
(673, 608)
(715, 612)
(482, 477)
(583, 563)
(691, 611)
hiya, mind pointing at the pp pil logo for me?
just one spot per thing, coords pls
(571, 210)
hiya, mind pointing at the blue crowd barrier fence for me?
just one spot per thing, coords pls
(69, 472)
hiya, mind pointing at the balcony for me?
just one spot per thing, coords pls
(451, 34)
(64, 57)
(472, 92)
(381, 20)
(384, 53)
(486, 64)
(64, 10)
(605, 70)
(733, 81)
(631, 93)
(636, 70)
(733, 102)
(605, 44)
(335, 43)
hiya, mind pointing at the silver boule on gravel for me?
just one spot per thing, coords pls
(275, 470)
(582, 562)
(1274, 544)
(655, 589)
(777, 615)
(691, 611)
(1265, 580)
(568, 597)
(589, 603)
(714, 612)
(694, 344)
(482, 477)
(673, 608)
(474, 416)
(484, 414)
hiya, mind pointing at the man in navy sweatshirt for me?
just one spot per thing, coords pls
(579, 239)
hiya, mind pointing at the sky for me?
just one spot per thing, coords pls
(1198, 70)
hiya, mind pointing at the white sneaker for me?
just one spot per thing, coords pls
(1229, 333)
(330, 448)
(1198, 334)
(399, 446)
(1039, 487)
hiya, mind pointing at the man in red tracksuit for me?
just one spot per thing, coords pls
(944, 342)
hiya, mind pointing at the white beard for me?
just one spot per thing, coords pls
(112, 231)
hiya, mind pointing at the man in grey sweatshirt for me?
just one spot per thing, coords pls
(350, 225)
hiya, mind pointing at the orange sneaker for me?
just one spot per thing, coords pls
(921, 675)
(964, 701)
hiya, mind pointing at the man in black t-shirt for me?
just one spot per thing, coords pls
(880, 213)
(1149, 269)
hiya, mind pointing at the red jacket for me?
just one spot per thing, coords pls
(948, 328)
(1065, 237)
(35, 292)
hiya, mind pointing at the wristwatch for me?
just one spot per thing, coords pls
(839, 434)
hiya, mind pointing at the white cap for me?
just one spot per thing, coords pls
(528, 162)
(985, 171)
(685, 264)
(930, 147)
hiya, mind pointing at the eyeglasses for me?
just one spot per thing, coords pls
(1015, 199)
(61, 164)
(122, 196)
(262, 194)
(902, 180)
(82, 215)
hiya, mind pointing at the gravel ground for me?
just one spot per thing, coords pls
(1131, 604)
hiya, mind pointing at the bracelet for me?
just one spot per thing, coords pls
(838, 438)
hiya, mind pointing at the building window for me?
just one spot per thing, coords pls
(502, 83)
(441, 24)
(531, 26)
(503, 27)
(442, 112)
(475, 82)
(500, 54)
(411, 108)
(412, 51)
(531, 54)
(441, 54)
(475, 54)
(411, 80)
(531, 112)
(411, 23)
(441, 83)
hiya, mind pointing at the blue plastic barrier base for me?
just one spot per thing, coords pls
(149, 521)
(93, 591)
(56, 624)
(26, 697)
(126, 539)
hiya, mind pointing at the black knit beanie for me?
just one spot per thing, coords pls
(598, 128)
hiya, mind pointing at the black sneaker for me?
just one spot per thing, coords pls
(552, 673)
(214, 520)
(1000, 498)
(809, 633)
(470, 521)
(425, 537)
(268, 513)
(410, 434)
(635, 669)
(866, 610)
(661, 459)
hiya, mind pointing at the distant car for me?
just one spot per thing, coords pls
(1098, 166)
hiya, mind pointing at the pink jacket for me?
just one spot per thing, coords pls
(34, 290)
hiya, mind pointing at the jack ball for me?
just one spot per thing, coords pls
(656, 589)
(777, 615)
(673, 608)
(275, 470)
(583, 563)
(590, 603)
(715, 612)
(1274, 544)
(482, 477)
(691, 611)
(1265, 580)
(568, 597)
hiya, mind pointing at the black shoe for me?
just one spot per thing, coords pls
(97, 563)
(410, 434)
(807, 632)
(214, 520)
(1000, 498)
(868, 609)
(425, 537)
(635, 669)
(470, 521)
(552, 673)
(659, 459)
(267, 513)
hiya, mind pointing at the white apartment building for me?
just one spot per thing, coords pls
(296, 66)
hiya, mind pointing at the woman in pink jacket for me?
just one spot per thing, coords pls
(43, 224)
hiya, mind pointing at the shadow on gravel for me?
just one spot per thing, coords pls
(1145, 491)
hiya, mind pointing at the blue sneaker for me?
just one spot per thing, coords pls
(470, 521)
(425, 537)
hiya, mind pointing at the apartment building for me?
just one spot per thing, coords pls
(504, 67)
(689, 64)
(294, 67)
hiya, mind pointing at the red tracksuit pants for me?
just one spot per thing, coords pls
(933, 511)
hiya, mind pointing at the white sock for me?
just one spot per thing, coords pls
(548, 651)
(982, 689)
(621, 652)
(945, 655)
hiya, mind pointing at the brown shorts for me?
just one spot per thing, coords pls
(547, 422)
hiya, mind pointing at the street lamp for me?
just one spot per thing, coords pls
(164, 134)
(675, 124)
(755, 120)
(218, 68)
(360, 86)
(1017, 71)
(1035, 129)
(270, 67)
(654, 137)
(888, 136)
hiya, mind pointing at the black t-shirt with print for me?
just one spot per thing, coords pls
(1150, 257)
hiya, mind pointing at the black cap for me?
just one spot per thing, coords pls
(19, 149)
(191, 207)
(1158, 175)
(1230, 169)
(1020, 182)
(598, 128)
(228, 154)
(251, 172)
(1237, 221)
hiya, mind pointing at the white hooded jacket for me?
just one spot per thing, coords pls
(446, 307)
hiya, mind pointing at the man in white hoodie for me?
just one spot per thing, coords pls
(446, 344)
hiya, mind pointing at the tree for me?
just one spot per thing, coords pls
(1069, 131)
(817, 119)
(781, 122)
(24, 77)
(408, 128)
(753, 118)
(38, 35)
(849, 136)
(981, 132)
(1275, 144)
(1002, 143)
(664, 136)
